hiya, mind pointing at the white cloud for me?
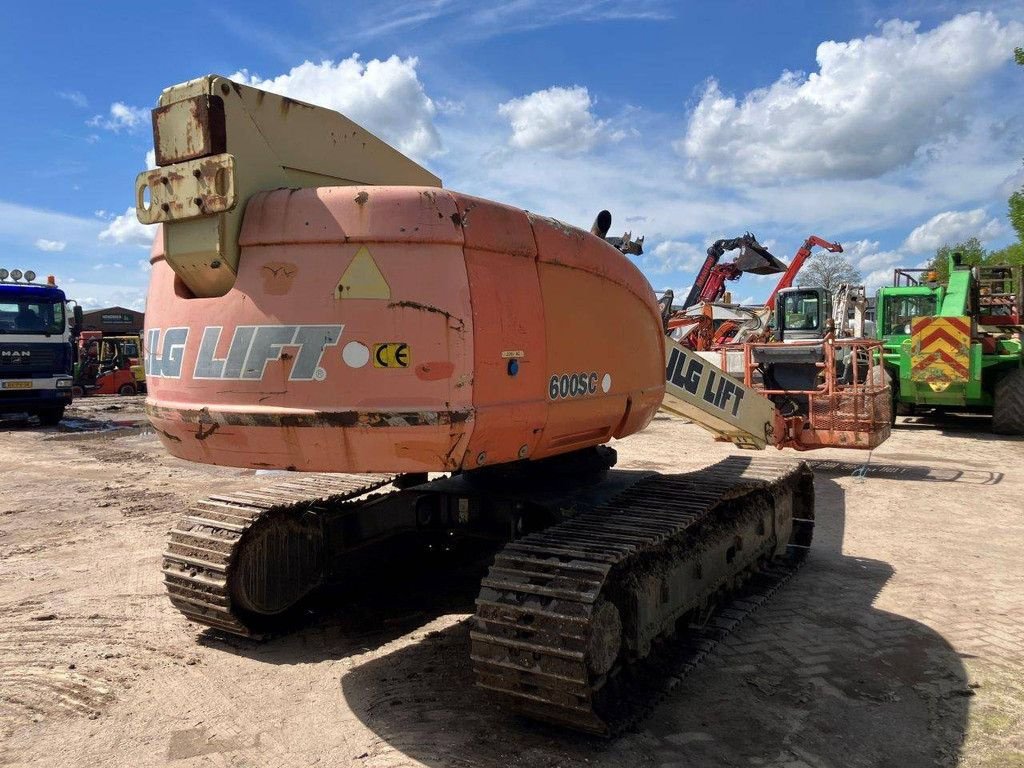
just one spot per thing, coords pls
(475, 20)
(385, 97)
(866, 255)
(75, 97)
(121, 117)
(672, 256)
(952, 227)
(50, 245)
(20, 226)
(874, 263)
(554, 119)
(151, 160)
(450, 107)
(878, 278)
(873, 105)
(679, 294)
(640, 182)
(105, 294)
(126, 229)
(1013, 182)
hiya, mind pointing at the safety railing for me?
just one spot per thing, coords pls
(849, 407)
(999, 295)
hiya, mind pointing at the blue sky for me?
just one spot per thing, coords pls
(892, 127)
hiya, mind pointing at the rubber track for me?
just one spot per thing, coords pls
(535, 608)
(202, 546)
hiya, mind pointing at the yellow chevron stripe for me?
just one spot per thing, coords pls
(942, 345)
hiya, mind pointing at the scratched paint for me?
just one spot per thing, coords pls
(278, 277)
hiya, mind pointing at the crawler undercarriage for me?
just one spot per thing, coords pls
(599, 566)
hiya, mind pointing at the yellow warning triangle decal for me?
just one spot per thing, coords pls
(362, 279)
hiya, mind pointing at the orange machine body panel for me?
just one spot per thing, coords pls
(402, 329)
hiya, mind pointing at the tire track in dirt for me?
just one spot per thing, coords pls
(77, 657)
(56, 664)
(74, 651)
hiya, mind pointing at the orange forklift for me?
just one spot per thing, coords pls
(106, 365)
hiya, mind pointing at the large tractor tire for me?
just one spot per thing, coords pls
(1008, 411)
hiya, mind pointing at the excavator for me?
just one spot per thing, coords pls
(712, 325)
(439, 366)
(709, 286)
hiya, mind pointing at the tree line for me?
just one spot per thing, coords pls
(974, 253)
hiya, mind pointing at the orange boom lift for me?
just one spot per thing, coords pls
(319, 303)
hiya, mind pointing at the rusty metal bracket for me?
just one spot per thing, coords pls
(218, 143)
(187, 190)
(190, 128)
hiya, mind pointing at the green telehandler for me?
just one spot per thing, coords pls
(958, 345)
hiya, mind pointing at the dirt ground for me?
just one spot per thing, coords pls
(900, 643)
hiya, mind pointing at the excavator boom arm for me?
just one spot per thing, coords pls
(714, 289)
(798, 261)
(710, 281)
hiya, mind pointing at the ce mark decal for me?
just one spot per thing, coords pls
(392, 354)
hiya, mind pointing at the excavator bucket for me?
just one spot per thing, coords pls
(755, 259)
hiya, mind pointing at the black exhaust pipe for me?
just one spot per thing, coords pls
(602, 224)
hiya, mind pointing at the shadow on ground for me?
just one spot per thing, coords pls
(916, 472)
(952, 423)
(406, 593)
(817, 676)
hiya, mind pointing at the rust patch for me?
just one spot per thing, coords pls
(269, 395)
(464, 218)
(287, 103)
(566, 229)
(204, 417)
(205, 133)
(431, 197)
(459, 324)
(168, 435)
(201, 435)
(456, 219)
(450, 460)
(440, 369)
(362, 197)
(278, 277)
